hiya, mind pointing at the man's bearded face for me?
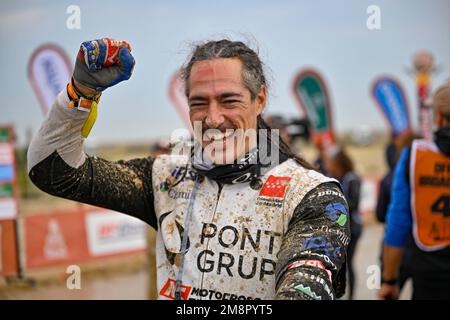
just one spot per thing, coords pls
(222, 105)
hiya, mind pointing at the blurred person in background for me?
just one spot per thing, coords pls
(393, 151)
(160, 147)
(264, 225)
(319, 163)
(338, 164)
(384, 191)
(280, 124)
(420, 204)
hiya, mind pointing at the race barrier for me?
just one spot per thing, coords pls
(86, 234)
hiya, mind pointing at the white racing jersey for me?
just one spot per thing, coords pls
(235, 232)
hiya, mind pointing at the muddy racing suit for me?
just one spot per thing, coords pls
(284, 239)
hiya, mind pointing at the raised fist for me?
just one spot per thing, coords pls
(103, 63)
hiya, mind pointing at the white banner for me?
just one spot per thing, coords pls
(179, 100)
(6, 153)
(109, 232)
(8, 208)
(49, 71)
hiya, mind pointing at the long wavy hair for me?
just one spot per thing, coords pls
(253, 77)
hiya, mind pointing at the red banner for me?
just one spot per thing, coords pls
(90, 233)
(56, 238)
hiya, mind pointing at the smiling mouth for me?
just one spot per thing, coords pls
(219, 140)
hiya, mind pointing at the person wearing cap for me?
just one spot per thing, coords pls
(420, 204)
(238, 217)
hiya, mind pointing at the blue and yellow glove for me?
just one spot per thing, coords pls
(103, 63)
(100, 64)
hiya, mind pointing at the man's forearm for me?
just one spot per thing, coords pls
(392, 257)
(58, 165)
(312, 254)
(306, 283)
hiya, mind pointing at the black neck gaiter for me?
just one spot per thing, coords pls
(247, 169)
(442, 140)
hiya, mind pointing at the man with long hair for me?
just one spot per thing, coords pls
(238, 217)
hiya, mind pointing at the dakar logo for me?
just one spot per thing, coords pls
(273, 191)
(337, 212)
(172, 232)
(55, 245)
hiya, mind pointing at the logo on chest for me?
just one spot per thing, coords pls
(273, 191)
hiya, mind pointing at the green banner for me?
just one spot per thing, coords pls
(6, 190)
(311, 93)
(4, 135)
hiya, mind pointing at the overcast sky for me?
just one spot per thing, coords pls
(328, 35)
